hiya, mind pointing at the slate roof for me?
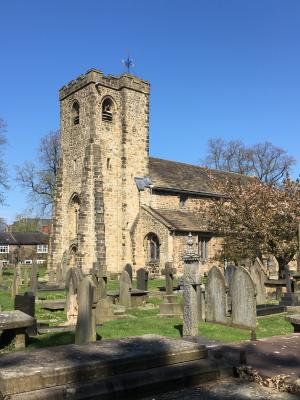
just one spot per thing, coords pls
(178, 220)
(175, 176)
(23, 238)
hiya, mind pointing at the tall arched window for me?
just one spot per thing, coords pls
(152, 247)
(75, 113)
(74, 208)
(107, 110)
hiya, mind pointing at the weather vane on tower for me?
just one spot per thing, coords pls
(128, 62)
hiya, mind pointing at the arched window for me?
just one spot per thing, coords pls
(107, 110)
(74, 208)
(152, 247)
(75, 113)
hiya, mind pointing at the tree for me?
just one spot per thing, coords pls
(3, 168)
(267, 162)
(257, 219)
(39, 179)
(23, 223)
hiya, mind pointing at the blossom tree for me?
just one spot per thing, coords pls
(257, 219)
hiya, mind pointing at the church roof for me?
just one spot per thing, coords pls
(180, 177)
(178, 220)
(19, 238)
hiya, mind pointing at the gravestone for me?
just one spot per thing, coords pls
(19, 274)
(258, 276)
(26, 304)
(59, 276)
(86, 321)
(290, 298)
(104, 307)
(15, 284)
(128, 269)
(34, 278)
(215, 292)
(51, 276)
(1, 272)
(228, 273)
(73, 278)
(243, 296)
(142, 279)
(170, 306)
(25, 276)
(191, 280)
(169, 273)
(125, 289)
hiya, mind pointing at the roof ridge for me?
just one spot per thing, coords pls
(218, 171)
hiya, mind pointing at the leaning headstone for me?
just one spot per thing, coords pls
(142, 279)
(86, 323)
(34, 278)
(215, 292)
(243, 295)
(128, 269)
(191, 277)
(125, 289)
(73, 278)
(169, 273)
(26, 304)
(258, 276)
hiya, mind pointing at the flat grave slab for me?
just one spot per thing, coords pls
(104, 368)
(13, 325)
(294, 319)
(53, 305)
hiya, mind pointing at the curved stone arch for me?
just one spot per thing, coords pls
(73, 210)
(152, 243)
(75, 112)
(108, 109)
(74, 196)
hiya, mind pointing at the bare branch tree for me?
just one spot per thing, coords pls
(39, 179)
(267, 162)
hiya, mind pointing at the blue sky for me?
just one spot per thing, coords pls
(218, 68)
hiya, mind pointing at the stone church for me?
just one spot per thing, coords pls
(114, 203)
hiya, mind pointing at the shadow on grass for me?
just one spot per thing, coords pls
(179, 328)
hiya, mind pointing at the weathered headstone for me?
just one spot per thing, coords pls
(228, 273)
(258, 276)
(34, 278)
(59, 275)
(243, 295)
(215, 292)
(86, 322)
(26, 304)
(51, 276)
(104, 308)
(19, 274)
(15, 284)
(128, 269)
(142, 279)
(73, 278)
(125, 289)
(25, 276)
(190, 299)
(65, 264)
(169, 273)
(291, 297)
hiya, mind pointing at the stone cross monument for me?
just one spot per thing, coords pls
(191, 281)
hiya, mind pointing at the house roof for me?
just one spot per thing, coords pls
(175, 176)
(19, 238)
(180, 220)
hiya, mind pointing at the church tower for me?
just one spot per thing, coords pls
(104, 146)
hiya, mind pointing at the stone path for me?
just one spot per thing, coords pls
(235, 389)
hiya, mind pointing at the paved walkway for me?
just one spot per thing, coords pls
(279, 355)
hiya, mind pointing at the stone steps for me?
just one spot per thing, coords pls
(107, 369)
